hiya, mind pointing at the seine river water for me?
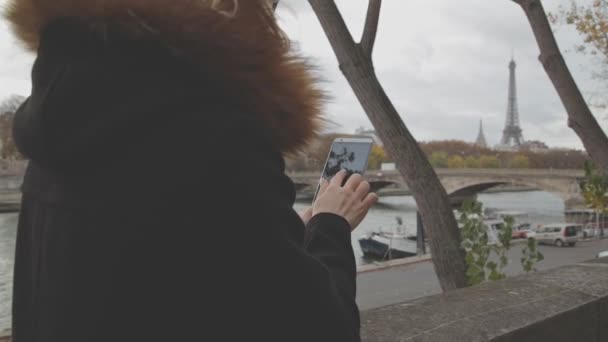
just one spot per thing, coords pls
(542, 207)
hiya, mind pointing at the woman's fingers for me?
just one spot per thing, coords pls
(370, 200)
(351, 201)
(353, 182)
(338, 178)
(362, 190)
(363, 209)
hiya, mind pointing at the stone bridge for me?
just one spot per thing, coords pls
(467, 183)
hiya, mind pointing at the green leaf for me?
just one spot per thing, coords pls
(503, 260)
(491, 265)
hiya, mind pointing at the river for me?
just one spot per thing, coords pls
(542, 207)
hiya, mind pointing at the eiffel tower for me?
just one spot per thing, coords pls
(511, 135)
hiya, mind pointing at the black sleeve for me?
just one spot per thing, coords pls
(329, 240)
(316, 295)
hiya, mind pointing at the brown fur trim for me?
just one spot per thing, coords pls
(246, 52)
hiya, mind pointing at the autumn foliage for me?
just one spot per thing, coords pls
(449, 154)
(590, 19)
(459, 154)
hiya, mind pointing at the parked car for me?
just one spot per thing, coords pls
(521, 221)
(493, 227)
(522, 231)
(559, 234)
(602, 254)
(590, 230)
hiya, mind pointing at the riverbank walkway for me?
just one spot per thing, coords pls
(383, 284)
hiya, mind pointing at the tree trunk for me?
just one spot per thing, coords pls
(420, 247)
(597, 219)
(430, 196)
(580, 118)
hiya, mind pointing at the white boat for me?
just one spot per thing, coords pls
(389, 245)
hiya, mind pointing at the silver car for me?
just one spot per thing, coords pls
(559, 234)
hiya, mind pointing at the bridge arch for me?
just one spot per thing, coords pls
(462, 183)
(565, 189)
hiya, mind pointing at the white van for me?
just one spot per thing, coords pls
(559, 234)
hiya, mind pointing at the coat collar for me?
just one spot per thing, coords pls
(240, 46)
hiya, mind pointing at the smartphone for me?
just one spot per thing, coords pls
(350, 154)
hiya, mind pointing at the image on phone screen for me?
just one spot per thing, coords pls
(347, 154)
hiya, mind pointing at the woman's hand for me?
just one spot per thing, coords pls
(351, 201)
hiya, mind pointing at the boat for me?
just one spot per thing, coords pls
(494, 224)
(383, 245)
(386, 246)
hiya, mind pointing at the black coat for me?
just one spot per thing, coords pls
(156, 208)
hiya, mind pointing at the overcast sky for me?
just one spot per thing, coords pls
(443, 63)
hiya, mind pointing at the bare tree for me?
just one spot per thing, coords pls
(355, 61)
(8, 107)
(11, 104)
(580, 118)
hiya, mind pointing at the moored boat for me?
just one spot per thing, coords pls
(383, 245)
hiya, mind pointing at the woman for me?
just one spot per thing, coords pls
(155, 205)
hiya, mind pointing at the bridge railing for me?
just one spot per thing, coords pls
(519, 172)
(468, 172)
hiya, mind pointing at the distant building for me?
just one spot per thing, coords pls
(481, 138)
(536, 146)
(562, 149)
(369, 133)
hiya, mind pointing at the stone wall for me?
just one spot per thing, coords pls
(565, 304)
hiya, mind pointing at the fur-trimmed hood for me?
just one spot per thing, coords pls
(236, 40)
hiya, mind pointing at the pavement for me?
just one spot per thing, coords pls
(407, 281)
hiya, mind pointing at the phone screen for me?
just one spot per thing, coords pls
(346, 154)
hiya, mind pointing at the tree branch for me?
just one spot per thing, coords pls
(371, 27)
(580, 117)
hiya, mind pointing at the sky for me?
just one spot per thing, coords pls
(443, 63)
